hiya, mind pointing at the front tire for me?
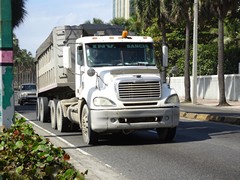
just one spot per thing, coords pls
(166, 134)
(89, 136)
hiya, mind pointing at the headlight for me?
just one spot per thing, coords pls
(24, 94)
(173, 99)
(100, 101)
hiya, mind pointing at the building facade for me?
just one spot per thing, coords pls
(122, 8)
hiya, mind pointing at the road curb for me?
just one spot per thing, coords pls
(209, 117)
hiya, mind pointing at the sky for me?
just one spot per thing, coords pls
(44, 15)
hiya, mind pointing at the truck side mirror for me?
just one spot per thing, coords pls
(67, 57)
(165, 56)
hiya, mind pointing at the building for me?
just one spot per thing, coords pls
(122, 8)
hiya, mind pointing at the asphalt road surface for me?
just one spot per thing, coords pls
(201, 150)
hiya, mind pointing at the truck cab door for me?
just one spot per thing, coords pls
(80, 67)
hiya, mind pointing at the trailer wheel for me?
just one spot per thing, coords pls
(53, 114)
(38, 109)
(89, 136)
(44, 109)
(166, 134)
(62, 122)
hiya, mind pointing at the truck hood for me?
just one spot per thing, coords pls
(107, 74)
(114, 71)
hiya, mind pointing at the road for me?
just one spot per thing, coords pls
(201, 150)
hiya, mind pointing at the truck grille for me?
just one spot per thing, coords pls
(139, 90)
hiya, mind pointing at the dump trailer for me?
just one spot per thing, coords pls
(100, 79)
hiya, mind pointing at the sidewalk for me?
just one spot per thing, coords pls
(207, 110)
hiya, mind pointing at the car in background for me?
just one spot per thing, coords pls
(27, 93)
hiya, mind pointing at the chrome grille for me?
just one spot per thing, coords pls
(139, 90)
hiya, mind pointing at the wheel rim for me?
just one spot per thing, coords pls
(85, 132)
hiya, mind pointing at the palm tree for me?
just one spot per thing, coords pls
(119, 21)
(146, 11)
(221, 8)
(17, 61)
(97, 21)
(87, 22)
(178, 12)
(130, 24)
(18, 12)
(94, 21)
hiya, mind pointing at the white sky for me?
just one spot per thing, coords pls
(44, 15)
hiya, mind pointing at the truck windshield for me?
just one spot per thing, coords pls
(120, 54)
(28, 87)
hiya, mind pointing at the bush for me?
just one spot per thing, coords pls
(26, 155)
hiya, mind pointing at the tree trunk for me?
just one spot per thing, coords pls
(187, 64)
(221, 83)
(164, 37)
(161, 23)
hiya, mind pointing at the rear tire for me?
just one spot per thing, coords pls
(53, 114)
(89, 136)
(44, 110)
(166, 134)
(62, 122)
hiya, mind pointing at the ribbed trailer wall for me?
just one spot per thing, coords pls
(52, 79)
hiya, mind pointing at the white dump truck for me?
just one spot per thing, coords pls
(99, 78)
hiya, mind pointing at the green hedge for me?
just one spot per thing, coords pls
(26, 155)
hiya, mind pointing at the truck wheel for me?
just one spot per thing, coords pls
(38, 109)
(53, 114)
(89, 136)
(166, 134)
(44, 109)
(62, 122)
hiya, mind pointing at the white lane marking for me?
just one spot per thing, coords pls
(54, 135)
(108, 165)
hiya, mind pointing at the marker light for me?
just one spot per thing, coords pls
(124, 34)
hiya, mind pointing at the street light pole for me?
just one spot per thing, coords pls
(6, 65)
(195, 43)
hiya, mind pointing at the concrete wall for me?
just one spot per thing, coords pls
(207, 87)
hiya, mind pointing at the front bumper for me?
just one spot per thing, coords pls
(134, 119)
(29, 99)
